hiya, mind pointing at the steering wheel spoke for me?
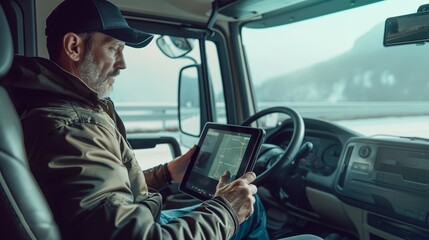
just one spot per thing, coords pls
(283, 160)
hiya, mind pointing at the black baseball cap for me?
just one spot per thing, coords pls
(80, 16)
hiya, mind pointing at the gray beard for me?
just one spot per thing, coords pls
(89, 74)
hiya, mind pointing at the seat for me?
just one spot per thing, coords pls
(24, 212)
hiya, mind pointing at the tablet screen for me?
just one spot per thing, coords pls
(221, 148)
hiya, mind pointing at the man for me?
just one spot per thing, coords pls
(77, 148)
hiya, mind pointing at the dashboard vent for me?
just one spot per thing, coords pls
(346, 164)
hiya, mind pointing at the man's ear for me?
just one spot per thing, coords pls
(73, 46)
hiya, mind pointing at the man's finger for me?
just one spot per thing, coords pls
(249, 177)
(223, 179)
(253, 189)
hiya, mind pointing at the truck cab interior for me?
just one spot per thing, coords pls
(341, 88)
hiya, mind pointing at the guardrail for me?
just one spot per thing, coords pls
(148, 117)
(163, 117)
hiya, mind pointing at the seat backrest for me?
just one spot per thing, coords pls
(24, 213)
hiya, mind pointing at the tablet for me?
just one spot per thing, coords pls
(221, 147)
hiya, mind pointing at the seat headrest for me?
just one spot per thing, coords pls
(6, 53)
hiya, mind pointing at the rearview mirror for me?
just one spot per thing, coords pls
(406, 29)
(174, 47)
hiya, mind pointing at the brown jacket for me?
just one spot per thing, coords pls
(78, 152)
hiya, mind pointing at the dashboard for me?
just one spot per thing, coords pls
(322, 158)
(383, 181)
(388, 176)
(327, 139)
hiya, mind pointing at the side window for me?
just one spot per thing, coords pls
(146, 94)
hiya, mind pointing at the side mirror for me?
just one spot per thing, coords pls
(189, 100)
(174, 47)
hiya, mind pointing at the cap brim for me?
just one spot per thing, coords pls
(132, 37)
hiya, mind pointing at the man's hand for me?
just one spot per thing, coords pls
(177, 167)
(238, 193)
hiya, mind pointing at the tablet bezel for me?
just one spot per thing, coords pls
(257, 136)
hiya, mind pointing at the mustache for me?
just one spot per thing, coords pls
(115, 73)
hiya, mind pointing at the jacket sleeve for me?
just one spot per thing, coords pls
(157, 178)
(95, 192)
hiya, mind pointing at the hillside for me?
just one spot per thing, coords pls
(368, 72)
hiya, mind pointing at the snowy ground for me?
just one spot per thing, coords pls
(399, 126)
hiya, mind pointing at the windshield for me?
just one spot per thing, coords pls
(335, 67)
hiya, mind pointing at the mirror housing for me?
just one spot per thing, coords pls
(174, 47)
(407, 29)
(189, 100)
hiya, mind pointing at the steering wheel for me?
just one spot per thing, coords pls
(282, 161)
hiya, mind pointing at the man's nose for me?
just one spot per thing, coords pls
(120, 61)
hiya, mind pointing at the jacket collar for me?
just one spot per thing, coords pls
(40, 74)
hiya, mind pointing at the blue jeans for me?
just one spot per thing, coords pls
(252, 228)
